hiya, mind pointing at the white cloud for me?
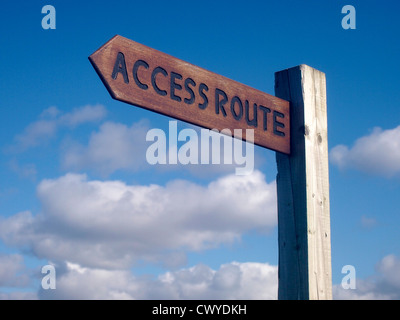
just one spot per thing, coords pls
(51, 120)
(231, 281)
(12, 271)
(383, 285)
(109, 224)
(34, 134)
(377, 153)
(85, 114)
(389, 268)
(115, 146)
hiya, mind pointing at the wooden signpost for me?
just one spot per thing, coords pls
(294, 124)
(142, 76)
(303, 189)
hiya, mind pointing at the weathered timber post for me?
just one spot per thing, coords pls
(305, 271)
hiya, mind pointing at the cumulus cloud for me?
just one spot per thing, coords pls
(231, 281)
(51, 120)
(13, 271)
(377, 153)
(109, 224)
(85, 114)
(115, 146)
(383, 285)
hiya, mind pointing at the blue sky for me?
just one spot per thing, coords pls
(68, 151)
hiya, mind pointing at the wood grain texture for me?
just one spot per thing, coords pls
(303, 189)
(167, 85)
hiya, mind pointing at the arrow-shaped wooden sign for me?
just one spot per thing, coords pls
(147, 78)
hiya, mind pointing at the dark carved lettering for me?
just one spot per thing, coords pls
(203, 87)
(136, 66)
(236, 100)
(265, 111)
(189, 81)
(278, 124)
(153, 80)
(175, 86)
(254, 121)
(219, 104)
(120, 67)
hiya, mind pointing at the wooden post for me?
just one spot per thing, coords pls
(305, 271)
